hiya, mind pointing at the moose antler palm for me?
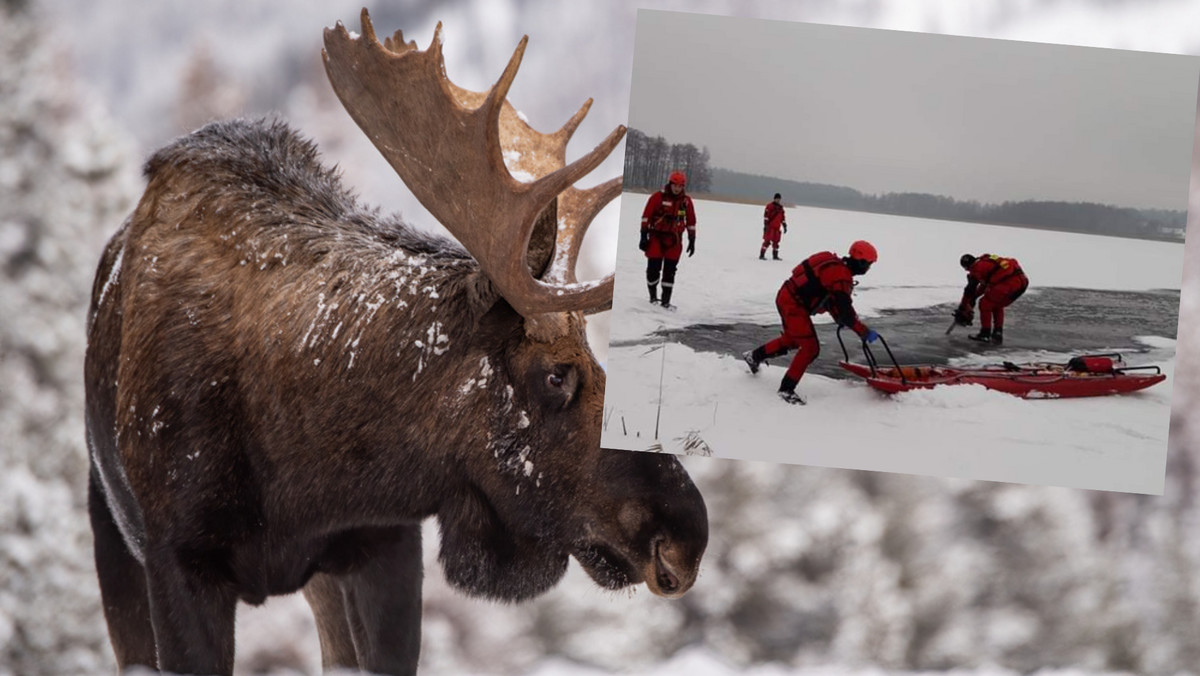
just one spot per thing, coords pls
(449, 145)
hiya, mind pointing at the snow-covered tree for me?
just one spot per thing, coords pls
(66, 180)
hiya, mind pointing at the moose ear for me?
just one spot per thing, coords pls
(482, 557)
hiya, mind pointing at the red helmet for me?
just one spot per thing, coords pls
(863, 251)
(678, 178)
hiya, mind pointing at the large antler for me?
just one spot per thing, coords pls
(450, 146)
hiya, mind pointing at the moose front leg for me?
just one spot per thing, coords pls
(370, 617)
(122, 584)
(383, 604)
(324, 596)
(192, 613)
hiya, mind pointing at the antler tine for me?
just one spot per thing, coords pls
(397, 44)
(568, 129)
(577, 209)
(498, 94)
(451, 145)
(367, 27)
(560, 180)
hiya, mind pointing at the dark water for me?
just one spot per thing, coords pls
(1062, 320)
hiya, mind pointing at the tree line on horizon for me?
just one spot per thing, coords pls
(1088, 217)
(648, 161)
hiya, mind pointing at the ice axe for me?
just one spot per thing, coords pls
(954, 322)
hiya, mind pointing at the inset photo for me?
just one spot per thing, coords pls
(903, 252)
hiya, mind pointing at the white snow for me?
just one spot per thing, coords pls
(512, 160)
(1112, 443)
(113, 274)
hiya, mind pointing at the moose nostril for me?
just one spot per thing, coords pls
(667, 581)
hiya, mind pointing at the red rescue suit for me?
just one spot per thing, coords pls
(996, 282)
(666, 216)
(822, 283)
(773, 221)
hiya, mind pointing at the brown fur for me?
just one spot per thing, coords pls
(281, 384)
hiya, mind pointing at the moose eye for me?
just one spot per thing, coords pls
(562, 382)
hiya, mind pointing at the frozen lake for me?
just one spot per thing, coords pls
(1087, 294)
(1085, 320)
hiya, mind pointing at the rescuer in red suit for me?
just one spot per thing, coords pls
(667, 215)
(773, 221)
(996, 282)
(821, 283)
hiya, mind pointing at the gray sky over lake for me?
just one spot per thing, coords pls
(891, 111)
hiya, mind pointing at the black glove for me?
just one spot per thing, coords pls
(691, 245)
(964, 315)
(645, 243)
(785, 227)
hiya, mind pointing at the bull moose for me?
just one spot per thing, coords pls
(282, 384)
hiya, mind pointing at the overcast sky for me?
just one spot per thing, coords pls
(892, 111)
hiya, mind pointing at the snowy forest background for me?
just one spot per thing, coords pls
(808, 569)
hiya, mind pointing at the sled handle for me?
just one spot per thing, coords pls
(841, 342)
(1123, 369)
(870, 355)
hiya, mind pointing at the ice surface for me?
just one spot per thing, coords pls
(1114, 443)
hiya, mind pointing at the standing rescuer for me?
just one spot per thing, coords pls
(667, 215)
(996, 282)
(821, 283)
(774, 220)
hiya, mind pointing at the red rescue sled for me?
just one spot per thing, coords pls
(1084, 376)
(1029, 381)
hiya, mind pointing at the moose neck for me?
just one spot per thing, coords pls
(366, 325)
